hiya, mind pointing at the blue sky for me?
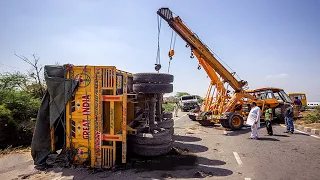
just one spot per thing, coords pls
(268, 43)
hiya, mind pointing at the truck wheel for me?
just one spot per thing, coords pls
(171, 131)
(153, 78)
(167, 115)
(151, 150)
(161, 137)
(235, 121)
(152, 88)
(166, 124)
(225, 123)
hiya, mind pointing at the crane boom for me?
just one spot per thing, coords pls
(198, 47)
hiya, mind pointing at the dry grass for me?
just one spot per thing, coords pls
(15, 150)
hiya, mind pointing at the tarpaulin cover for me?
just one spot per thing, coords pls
(59, 91)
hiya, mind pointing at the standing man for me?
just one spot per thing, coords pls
(289, 119)
(297, 101)
(176, 109)
(268, 118)
(254, 120)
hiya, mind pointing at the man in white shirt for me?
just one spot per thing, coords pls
(254, 120)
(175, 110)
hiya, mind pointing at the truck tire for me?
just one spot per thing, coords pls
(163, 137)
(167, 115)
(171, 131)
(235, 121)
(167, 124)
(163, 78)
(151, 150)
(152, 88)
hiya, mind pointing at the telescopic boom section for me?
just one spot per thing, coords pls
(198, 47)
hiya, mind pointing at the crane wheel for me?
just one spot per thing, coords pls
(206, 123)
(235, 121)
(225, 123)
(192, 117)
(163, 78)
(152, 88)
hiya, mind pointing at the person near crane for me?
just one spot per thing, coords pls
(289, 119)
(254, 120)
(268, 118)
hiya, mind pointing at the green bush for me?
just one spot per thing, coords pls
(18, 106)
(168, 107)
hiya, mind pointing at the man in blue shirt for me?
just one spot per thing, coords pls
(297, 101)
(289, 119)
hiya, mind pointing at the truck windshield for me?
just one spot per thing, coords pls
(187, 98)
(285, 96)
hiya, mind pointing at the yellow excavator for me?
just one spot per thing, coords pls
(220, 107)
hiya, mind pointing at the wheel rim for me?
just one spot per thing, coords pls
(236, 121)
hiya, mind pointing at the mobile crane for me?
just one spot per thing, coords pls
(225, 110)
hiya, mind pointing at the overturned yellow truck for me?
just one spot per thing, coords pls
(95, 114)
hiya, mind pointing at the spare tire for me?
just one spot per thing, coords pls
(152, 88)
(151, 150)
(153, 78)
(161, 137)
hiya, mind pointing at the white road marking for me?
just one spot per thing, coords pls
(236, 155)
(318, 137)
(247, 178)
(315, 136)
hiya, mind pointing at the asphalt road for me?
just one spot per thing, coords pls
(213, 153)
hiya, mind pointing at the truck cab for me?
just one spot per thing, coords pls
(188, 102)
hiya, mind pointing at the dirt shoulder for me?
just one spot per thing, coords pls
(308, 118)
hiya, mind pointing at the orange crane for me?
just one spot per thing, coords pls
(225, 110)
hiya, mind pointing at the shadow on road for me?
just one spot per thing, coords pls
(280, 135)
(244, 130)
(297, 133)
(267, 139)
(186, 138)
(181, 164)
(193, 148)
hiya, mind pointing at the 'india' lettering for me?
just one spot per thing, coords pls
(85, 105)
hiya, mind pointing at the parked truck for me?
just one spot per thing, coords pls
(188, 102)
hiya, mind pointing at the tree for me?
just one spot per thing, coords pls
(179, 94)
(38, 89)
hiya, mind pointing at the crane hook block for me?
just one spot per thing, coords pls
(171, 53)
(157, 67)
